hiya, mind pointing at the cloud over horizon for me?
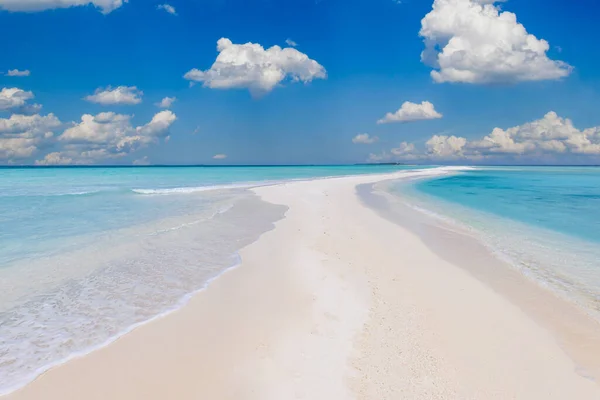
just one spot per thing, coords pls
(96, 138)
(551, 139)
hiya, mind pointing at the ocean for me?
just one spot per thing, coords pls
(87, 254)
(543, 221)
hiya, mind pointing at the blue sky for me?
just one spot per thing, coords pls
(369, 50)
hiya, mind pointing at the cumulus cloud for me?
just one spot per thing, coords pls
(21, 136)
(220, 156)
(474, 41)
(109, 135)
(445, 146)
(404, 149)
(411, 112)
(97, 137)
(551, 134)
(404, 152)
(105, 6)
(158, 126)
(122, 95)
(364, 138)
(18, 123)
(16, 72)
(55, 158)
(11, 98)
(250, 66)
(167, 102)
(168, 8)
(550, 139)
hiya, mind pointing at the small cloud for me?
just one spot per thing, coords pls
(167, 102)
(411, 112)
(16, 72)
(220, 156)
(122, 95)
(168, 8)
(196, 131)
(376, 158)
(141, 161)
(290, 42)
(364, 138)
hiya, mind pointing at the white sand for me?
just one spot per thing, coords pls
(334, 303)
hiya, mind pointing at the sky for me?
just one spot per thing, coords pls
(117, 82)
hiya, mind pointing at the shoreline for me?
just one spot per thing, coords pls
(296, 320)
(575, 327)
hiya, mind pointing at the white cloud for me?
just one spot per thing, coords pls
(290, 42)
(105, 6)
(21, 136)
(167, 102)
(103, 136)
(55, 158)
(18, 123)
(551, 134)
(158, 126)
(550, 139)
(411, 112)
(404, 149)
(364, 138)
(16, 72)
(109, 135)
(251, 66)
(220, 156)
(13, 98)
(473, 41)
(168, 8)
(142, 161)
(443, 146)
(123, 95)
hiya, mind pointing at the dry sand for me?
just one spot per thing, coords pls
(335, 303)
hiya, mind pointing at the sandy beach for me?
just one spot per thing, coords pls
(340, 302)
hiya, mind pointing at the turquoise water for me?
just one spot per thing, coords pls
(545, 221)
(565, 200)
(43, 209)
(87, 254)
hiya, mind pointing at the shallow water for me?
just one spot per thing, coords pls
(545, 221)
(87, 254)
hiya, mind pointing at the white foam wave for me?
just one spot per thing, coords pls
(186, 190)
